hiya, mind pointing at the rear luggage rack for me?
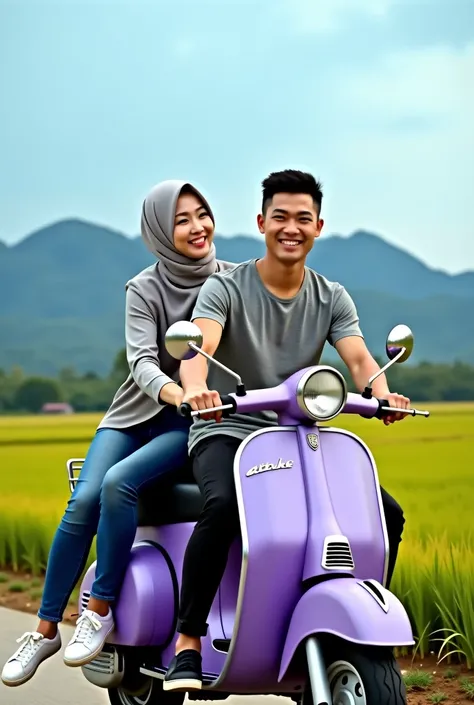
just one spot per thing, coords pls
(74, 465)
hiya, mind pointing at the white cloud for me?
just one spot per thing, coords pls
(431, 83)
(326, 16)
(406, 150)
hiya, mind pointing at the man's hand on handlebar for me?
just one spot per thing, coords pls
(201, 398)
(398, 401)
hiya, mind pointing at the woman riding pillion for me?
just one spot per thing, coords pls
(139, 439)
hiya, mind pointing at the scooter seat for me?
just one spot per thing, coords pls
(170, 504)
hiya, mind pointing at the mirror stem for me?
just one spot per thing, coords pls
(367, 393)
(240, 385)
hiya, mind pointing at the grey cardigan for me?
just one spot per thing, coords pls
(151, 367)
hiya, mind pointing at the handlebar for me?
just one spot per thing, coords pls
(356, 404)
(229, 406)
(384, 410)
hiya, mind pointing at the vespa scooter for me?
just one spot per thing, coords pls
(302, 610)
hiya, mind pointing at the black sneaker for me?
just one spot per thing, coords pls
(185, 672)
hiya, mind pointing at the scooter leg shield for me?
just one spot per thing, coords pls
(362, 612)
(145, 611)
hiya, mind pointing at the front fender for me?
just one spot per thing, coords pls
(362, 612)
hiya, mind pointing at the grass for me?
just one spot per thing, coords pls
(17, 587)
(467, 687)
(426, 464)
(450, 674)
(33, 483)
(417, 680)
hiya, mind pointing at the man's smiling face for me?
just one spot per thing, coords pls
(291, 224)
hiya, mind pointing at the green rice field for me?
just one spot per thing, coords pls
(426, 464)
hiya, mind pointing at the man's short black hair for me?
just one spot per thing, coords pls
(291, 181)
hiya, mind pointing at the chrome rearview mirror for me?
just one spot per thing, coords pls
(183, 341)
(178, 338)
(399, 345)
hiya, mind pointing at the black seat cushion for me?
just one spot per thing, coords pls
(174, 499)
(170, 505)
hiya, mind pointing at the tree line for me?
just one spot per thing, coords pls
(19, 392)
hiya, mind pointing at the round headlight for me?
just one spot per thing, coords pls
(322, 393)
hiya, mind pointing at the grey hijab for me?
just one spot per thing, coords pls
(158, 216)
(171, 286)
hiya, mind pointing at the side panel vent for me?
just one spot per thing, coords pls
(337, 554)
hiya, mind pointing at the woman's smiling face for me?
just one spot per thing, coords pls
(193, 226)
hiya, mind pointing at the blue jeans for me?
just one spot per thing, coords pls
(119, 464)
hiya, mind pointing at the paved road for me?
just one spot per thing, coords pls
(55, 683)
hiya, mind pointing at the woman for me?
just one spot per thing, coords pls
(139, 438)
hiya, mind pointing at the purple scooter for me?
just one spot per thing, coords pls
(302, 610)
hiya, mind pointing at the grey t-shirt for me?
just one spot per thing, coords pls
(266, 339)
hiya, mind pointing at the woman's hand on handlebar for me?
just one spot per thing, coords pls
(398, 401)
(171, 393)
(201, 398)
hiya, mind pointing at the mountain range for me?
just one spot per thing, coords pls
(62, 290)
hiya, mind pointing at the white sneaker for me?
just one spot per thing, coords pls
(34, 649)
(89, 638)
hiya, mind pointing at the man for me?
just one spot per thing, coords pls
(265, 319)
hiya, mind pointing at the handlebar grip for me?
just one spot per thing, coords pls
(380, 413)
(185, 410)
(228, 399)
(384, 409)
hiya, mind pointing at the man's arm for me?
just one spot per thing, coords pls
(193, 373)
(345, 335)
(362, 366)
(210, 315)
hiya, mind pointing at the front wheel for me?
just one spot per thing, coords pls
(366, 677)
(151, 693)
(361, 676)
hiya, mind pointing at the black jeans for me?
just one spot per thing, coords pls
(208, 548)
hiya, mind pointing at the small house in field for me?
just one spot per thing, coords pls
(57, 408)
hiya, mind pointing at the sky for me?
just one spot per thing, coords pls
(102, 99)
